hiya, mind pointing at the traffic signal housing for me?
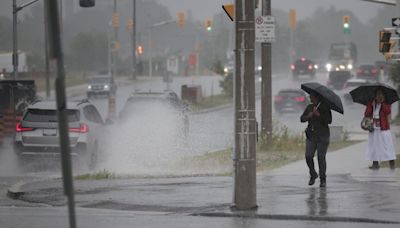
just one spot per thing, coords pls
(346, 24)
(181, 19)
(384, 41)
(208, 25)
(87, 3)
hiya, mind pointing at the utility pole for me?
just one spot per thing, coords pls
(244, 152)
(46, 54)
(134, 62)
(115, 51)
(15, 41)
(266, 83)
(56, 53)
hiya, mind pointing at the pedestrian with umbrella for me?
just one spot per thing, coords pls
(318, 115)
(378, 99)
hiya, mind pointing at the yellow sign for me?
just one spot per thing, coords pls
(229, 10)
(181, 19)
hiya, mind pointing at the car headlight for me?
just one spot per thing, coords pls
(342, 67)
(350, 67)
(328, 66)
(89, 87)
(316, 66)
(226, 70)
(106, 87)
(259, 67)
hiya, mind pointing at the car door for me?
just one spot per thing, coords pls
(95, 123)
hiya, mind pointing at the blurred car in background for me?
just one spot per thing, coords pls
(37, 134)
(290, 100)
(368, 71)
(101, 86)
(337, 79)
(229, 68)
(303, 66)
(138, 101)
(349, 86)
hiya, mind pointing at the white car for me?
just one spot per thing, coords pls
(349, 86)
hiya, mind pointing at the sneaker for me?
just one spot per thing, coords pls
(312, 179)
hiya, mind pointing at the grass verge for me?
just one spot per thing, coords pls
(70, 80)
(211, 102)
(101, 175)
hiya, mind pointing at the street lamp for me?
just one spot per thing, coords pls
(16, 9)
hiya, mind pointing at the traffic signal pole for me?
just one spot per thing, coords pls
(134, 62)
(244, 154)
(266, 83)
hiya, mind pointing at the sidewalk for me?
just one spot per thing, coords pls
(354, 196)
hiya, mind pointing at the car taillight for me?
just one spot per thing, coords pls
(292, 67)
(19, 128)
(310, 67)
(278, 99)
(82, 129)
(300, 99)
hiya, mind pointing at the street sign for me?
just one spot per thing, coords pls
(265, 29)
(396, 21)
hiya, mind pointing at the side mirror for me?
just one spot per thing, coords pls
(87, 3)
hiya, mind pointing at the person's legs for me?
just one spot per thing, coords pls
(392, 164)
(375, 165)
(322, 148)
(311, 147)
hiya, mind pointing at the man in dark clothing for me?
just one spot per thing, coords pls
(318, 116)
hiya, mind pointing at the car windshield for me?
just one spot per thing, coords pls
(291, 94)
(103, 80)
(355, 84)
(46, 116)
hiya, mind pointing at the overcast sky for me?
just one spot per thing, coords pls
(207, 8)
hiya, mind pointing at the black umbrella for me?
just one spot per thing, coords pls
(366, 93)
(329, 97)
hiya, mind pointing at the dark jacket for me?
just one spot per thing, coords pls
(383, 114)
(318, 124)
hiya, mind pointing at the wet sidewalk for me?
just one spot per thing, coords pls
(354, 194)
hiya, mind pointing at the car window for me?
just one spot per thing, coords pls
(92, 114)
(291, 93)
(40, 115)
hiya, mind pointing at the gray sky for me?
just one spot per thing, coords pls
(207, 8)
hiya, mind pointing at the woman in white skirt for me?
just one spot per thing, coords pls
(380, 142)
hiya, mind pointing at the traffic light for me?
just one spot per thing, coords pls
(139, 50)
(181, 19)
(346, 25)
(130, 25)
(384, 41)
(115, 20)
(117, 46)
(87, 3)
(208, 25)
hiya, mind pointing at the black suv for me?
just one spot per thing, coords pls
(101, 85)
(303, 66)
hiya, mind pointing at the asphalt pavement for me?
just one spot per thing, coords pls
(354, 197)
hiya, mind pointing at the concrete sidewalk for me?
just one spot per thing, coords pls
(354, 196)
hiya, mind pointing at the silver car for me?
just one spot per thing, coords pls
(37, 133)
